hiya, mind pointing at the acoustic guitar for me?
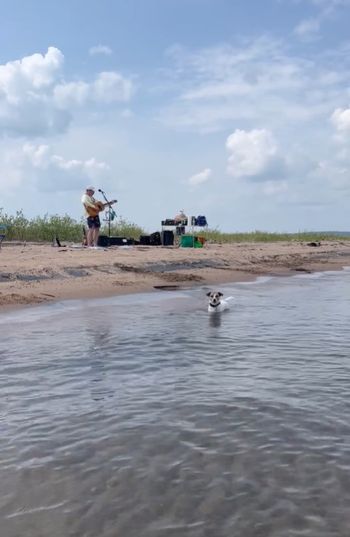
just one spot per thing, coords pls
(99, 206)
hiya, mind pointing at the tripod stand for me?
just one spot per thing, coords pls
(111, 214)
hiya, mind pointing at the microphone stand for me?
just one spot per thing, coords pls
(110, 212)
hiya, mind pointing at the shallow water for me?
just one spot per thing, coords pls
(144, 416)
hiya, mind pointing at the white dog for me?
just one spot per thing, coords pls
(217, 303)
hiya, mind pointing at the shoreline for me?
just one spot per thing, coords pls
(37, 273)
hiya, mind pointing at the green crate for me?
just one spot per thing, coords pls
(187, 241)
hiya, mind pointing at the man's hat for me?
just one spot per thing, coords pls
(90, 188)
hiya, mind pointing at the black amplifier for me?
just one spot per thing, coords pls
(103, 241)
(145, 240)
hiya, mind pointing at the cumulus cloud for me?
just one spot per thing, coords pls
(200, 178)
(25, 88)
(253, 154)
(20, 77)
(111, 86)
(52, 172)
(41, 156)
(35, 98)
(341, 119)
(100, 49)
(71, 93)
(108, 87)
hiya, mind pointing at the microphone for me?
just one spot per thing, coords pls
(99, 190)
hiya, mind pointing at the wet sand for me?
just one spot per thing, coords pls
(35, 273)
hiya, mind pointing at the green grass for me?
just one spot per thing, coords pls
(46, 228)
(123, 228)
(262, 236)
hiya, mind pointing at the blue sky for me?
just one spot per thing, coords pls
(238, 110)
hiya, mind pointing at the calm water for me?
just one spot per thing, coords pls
(143, 416)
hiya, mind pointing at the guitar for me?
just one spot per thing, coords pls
(99, 206)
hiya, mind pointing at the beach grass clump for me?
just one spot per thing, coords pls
(218, 237)
(41, 228)
(46, 228)
(123, 228)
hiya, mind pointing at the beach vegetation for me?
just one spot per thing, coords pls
(46, 228)
(219, 237)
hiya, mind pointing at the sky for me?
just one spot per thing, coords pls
(238, 110)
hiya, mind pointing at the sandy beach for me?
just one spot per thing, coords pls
(36, 273)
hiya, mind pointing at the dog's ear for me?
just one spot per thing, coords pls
(220, 294)
(208, 294)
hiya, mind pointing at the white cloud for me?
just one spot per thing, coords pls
(37, 155)
(25, 88)
(341, 119)
(111, 86)
(332, 174)
(67, 94)
(200, 178)
(308, 28)
(52, 172)
(252, 153)
(41, 156)
(249, 83)
(100, 49)
(35, 99)
(108, 87)
(20, 78)
(262, 86)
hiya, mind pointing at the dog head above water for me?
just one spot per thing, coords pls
(214, 298)
(217, 303)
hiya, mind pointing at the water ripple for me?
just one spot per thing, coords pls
(145, 416)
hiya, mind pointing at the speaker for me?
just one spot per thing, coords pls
(145, 240)
(103, 240)
(167, 237)
(155, 239)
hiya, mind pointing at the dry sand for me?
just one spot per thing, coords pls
(35, 273)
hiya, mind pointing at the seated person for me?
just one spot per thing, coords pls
(180, 218)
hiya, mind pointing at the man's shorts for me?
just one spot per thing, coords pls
(93, 222)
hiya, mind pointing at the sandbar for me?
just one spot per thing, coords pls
(32, 273)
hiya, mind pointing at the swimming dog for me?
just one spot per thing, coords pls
(217, 303)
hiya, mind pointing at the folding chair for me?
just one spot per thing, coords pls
(3, 230)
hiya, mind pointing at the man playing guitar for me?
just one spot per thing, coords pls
(92, 209)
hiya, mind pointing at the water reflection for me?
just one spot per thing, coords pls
(215, 320)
